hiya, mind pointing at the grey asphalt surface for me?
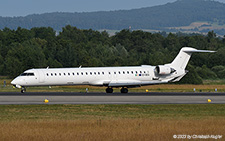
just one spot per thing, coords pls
(7, 98)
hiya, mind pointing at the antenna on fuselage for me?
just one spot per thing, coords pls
(47, 67)
(80, 66)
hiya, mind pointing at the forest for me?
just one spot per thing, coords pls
(40, 47)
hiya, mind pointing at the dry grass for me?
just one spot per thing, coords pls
(200, 27)
(151, 88)
(109, 129)
(193, 25)
(184, 88)
(109, 122)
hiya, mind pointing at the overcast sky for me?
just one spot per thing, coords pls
(25, 7)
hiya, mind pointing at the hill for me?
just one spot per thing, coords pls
(170, 17)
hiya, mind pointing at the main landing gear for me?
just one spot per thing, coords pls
(23, 89)
(122, 90)
(109, 90)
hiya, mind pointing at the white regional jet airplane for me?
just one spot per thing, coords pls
(124, 77)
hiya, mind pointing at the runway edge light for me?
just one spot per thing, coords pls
(209, 100)
(46, 100)
(146, 90)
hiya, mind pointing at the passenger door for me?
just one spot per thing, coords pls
(41, 76)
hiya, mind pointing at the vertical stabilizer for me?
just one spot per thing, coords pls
(181, 60)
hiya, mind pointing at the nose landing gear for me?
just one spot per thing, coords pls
(23, 89)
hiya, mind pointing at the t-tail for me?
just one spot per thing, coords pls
(176, 70)
(181, 60)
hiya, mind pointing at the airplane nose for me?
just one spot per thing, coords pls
(13, 82)
(16, 83)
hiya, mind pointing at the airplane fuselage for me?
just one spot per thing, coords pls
(97, 76)
(125, 77)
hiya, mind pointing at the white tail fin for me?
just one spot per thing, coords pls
(181, 60)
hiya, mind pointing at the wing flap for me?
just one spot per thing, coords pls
(133, 83)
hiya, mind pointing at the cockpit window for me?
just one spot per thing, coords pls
(27, 74)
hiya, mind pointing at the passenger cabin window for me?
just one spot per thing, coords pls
(47, 74)
(98, 73)
(77, 73)
(64, 73)
(60, 74)
(103, 73)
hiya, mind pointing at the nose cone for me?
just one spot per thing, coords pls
(13, 82)
(17, 82)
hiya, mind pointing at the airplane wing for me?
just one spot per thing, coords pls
(133, 83)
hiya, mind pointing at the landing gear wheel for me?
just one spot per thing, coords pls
(124, 90)
(23, 90)
(109, 90)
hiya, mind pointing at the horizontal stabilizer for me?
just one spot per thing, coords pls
(193, 50)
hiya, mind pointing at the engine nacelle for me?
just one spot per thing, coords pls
(164, 70)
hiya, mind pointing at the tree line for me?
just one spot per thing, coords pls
(23, 49)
